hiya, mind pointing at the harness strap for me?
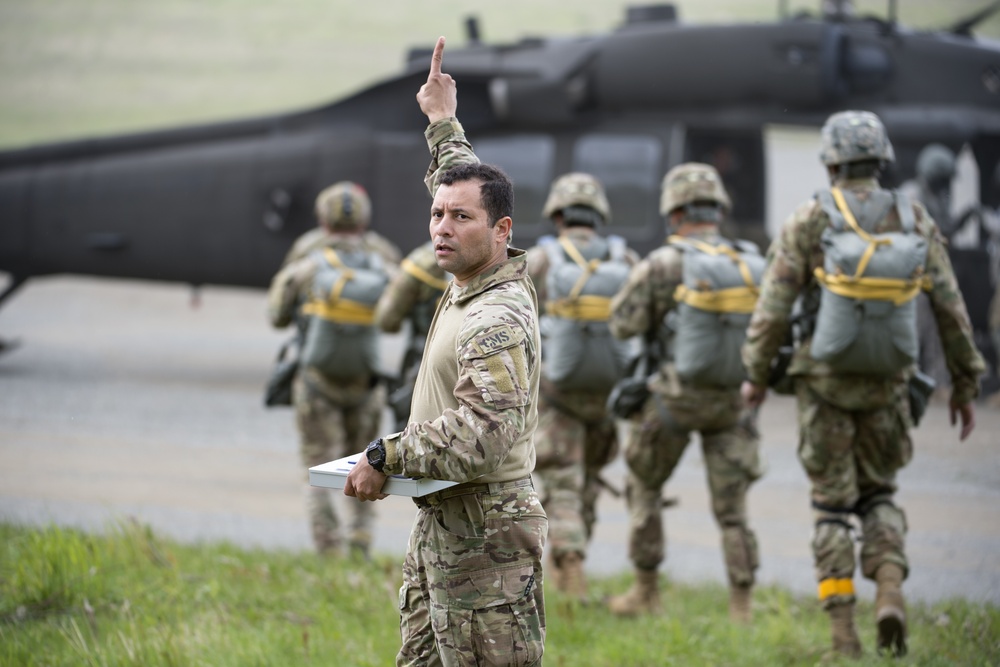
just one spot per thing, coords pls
(728, 300)
(423, 275)
(896, 290)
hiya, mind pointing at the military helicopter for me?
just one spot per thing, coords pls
(221, 203)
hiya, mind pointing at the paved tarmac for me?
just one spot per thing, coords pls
(124, 400)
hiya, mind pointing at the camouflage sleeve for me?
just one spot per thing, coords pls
(538, 265)
(789, 269)
(396, 302)
(284, 295)
(965, 364)
(648, 294)
(449, 147)
(496, 355)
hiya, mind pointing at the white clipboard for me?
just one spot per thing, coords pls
(333, 475)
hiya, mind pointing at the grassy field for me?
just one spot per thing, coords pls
(131, 598)
(78, 68)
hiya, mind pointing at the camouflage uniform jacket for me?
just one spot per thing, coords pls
(643, 302)
(290, 290)
(419, 283)
(792, 258)
(474, 411)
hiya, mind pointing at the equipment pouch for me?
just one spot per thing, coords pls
(278, 391)
(920, 386)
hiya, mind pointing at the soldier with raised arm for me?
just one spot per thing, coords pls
(472, 577)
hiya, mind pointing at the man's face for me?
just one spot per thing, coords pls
(464, 243)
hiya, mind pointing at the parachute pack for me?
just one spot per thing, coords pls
(714, 303)
(867, 319)
(341, 340)
(579, 351)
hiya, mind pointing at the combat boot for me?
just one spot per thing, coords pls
(845, 636)
(573, 581)
(739, 604)
(642, 598)
(890, 610)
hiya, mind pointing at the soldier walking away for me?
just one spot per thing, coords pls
(857, 255)
(411, 295)
(693, 297)
(330, 295)
(472, 589)
(576, 273)
(316, 238)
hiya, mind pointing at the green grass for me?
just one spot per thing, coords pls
(131, 598)
(80, 68)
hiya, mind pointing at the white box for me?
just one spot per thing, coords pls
(333, 475)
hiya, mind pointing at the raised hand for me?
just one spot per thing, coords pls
(438, 98)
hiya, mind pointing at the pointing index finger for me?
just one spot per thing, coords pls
(437, 57)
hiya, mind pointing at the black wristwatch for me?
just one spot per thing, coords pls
(376, 454)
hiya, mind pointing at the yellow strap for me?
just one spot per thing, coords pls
(343, 311)
(587, 307)
(588, 267)
(830, 587)
(572, 251)
(873, 243)
(721, 249)
(332, 257)
(896, 290)
(423, 276)
(729, 300)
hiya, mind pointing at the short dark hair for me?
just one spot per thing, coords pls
(496, 191)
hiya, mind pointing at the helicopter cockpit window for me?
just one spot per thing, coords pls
(629, 167)
(529, 160)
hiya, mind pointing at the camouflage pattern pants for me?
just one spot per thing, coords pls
(658, 436)
(851, 457)
(573, 443)
(330, 430)
(472, 578)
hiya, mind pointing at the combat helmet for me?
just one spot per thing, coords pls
(574, 190)
(690, 183)
(344, 206)
(936, 164)
(854, 136)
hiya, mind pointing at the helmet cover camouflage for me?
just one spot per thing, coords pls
(344, 205)
(577, 189)
(854, 136)
(692, 182)
(936, 163)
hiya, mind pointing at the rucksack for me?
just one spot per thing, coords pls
(341, 340)
(867, 318)
(579, 352)
(714, 303)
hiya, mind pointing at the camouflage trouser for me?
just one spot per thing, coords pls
(472, 578)
(657, 439)
(328, 431)
(570, 451)
(851, 457)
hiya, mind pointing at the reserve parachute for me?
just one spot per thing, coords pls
(714, 303)
(341, 340)
(580, 354)
(867, 319)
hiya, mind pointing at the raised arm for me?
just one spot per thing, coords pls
(438, 99)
